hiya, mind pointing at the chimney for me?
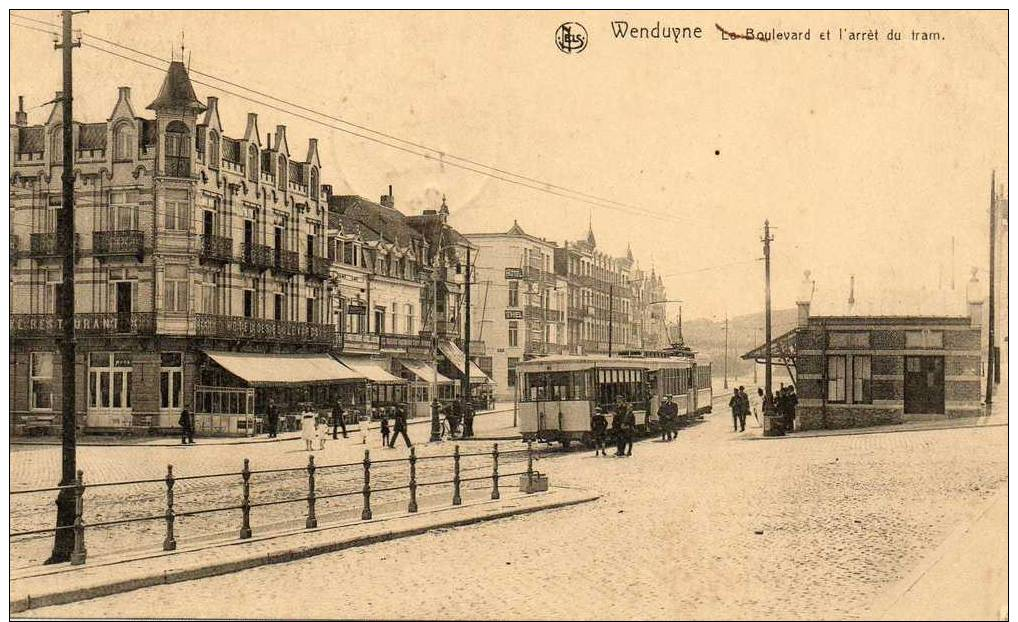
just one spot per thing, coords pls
(851, 290)
(387, 200)
(268, 141)
(213, 105)
(281, 138)
(805, 298)
(21, 117)
(974, 296)
(251, 132)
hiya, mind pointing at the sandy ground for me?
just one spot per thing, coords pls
(715, 525)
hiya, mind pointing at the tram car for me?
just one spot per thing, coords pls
(559, 394)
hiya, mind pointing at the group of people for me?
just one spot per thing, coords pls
(313, 431)
(623, 428)
(455, 415)
(742, 405)
(668, 419)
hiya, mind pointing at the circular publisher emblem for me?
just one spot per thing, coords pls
(571, 38)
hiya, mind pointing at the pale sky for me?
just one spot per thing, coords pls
(867, 157)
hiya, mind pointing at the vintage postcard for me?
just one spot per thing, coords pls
(421, 314)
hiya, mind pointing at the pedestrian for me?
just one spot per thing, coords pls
(756, 404)
(384, 428)
(735, 404)
(337, 419)
(186, 422)
(273, 418)
(673, 418)
(468, 421)
(399, 427)
(599, 430)
(308, 428)
(452, 418)
(321, 431)
(743, 408)
(662, 419)
(628, 428)
(365, 419)
(621, 423)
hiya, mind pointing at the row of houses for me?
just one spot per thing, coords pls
(214, 272)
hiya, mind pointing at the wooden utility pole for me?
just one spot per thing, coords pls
(726, 350)
(768, 406)
(611, 315)
(991, 351)
(465, 397)
(63, 541)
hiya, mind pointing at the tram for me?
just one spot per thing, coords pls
(559, 394)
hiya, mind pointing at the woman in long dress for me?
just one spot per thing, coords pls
(307, 429)
(365, 420)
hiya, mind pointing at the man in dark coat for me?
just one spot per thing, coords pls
(599, 430)
(468, 420)
(735, 404)
(186, 423)
(273, 418)
(399, 427)
(623, 424)
(337, 419)
(743, 407)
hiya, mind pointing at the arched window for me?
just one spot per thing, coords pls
(214, 150)
(123, 142)
(281, 173)
(177, 150)
(252, 163)
(57, 144)
(313, 188)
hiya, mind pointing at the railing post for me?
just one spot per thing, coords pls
(79, 553)
(530, 466)
(366, 512)
(170, 543)
(312, 520)
(456, 500)
(494, 472)
(245, 503)
(412, 507)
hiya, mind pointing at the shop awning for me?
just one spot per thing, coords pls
(456, 357)
(284, 369)
(372, 370)
(424, 371)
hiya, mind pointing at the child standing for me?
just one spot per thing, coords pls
(385, 429)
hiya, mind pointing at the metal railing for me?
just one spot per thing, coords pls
(216, 248)
(49, 244)
(287, 262)
(361, 341)
(318, 266)
(112, 243)
(404, 343)
(256, 256)
(310, 500)
(259, 329)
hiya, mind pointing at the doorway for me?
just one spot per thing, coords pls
(924, 385)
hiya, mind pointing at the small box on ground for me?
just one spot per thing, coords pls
(535, 483)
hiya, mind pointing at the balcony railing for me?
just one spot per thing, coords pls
(554, 315)
(217, 248)
(15, 246)
(319, 266)
(477, 348)
(405, 343)
(286, 262)
(114, 243)
(257, 256)
(85, 324)
(361, 341)
(258, 329)
(48, 244)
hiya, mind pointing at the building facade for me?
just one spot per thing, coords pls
(519, 305)
(862, 367)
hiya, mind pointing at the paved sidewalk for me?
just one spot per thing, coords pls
(160, 441)
(965, 578)
(41, 587)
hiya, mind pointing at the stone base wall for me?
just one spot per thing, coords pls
(813, 418)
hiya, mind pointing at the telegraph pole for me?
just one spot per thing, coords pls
(991, 358)
(726, 350)
(436, 424)
(768, 405)
(63, 541)
(465, 397)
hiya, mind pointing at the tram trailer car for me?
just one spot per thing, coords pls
(560, 394)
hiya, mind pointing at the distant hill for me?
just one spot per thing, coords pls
(745, 332)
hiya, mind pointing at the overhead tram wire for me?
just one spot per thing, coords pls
(435, 155)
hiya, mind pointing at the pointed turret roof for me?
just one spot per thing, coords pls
(177, 91)
(590, 236)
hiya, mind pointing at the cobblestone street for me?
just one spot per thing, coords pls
(716, 525)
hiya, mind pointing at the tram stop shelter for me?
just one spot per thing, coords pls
(419, 376)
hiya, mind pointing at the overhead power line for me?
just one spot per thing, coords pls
(404, 145)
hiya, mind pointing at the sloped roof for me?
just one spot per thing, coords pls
(177, 91)
(92, 136)
(388, 223)
(32, 139)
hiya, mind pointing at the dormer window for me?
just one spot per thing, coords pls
(177, 153)
(313, 188)
(123, 141)
(281, 173)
